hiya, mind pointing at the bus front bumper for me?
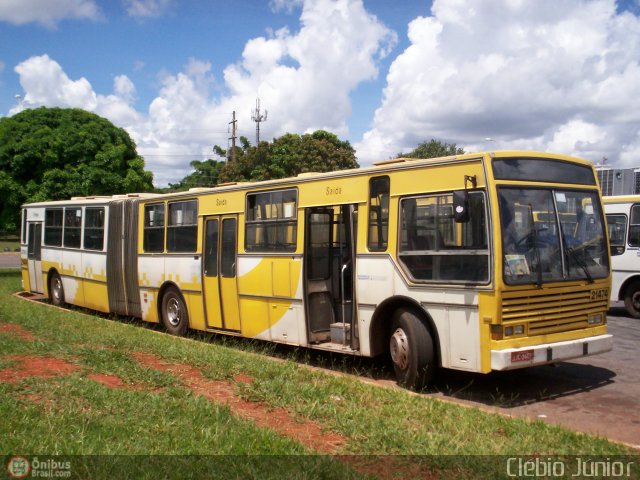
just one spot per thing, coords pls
(512, 358)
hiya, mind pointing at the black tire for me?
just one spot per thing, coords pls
(411, 349)
(56, 290)
(175, 316)
(632, 299)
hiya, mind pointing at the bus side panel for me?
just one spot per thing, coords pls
(150, 279)
(94, 275)
(621, 278)
(270, 291)
(72, 277)
(51, 260)
(454, 311)
(26, 282)
(374, 284)
(186, 272)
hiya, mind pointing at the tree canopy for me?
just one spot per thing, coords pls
(55, 153)
(433, 149)
(285, 156)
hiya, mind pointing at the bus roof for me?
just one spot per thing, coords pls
(621, 199)
(383, 166)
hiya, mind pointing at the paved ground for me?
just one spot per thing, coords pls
(10, 260)
(599, 394)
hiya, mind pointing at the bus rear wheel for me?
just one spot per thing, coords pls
(56, 290)
(411, 349)
(174, 312)
(632, 299)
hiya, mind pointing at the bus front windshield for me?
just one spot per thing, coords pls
(552, 235)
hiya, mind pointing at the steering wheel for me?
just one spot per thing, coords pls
(520, 243)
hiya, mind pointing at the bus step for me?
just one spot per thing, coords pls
(339, 331)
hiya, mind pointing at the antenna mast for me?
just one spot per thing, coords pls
(257, 117)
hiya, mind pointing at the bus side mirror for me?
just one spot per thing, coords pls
(461, 206)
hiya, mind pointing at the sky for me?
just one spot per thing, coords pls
(550, 75)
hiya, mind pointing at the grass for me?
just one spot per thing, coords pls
(9, 246)
(73, 415)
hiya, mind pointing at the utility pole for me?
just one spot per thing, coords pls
(233, 138)
(257, 117)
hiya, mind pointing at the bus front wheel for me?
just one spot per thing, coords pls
(56, 290)
(411, 348)
(174, 312)
(632, 299)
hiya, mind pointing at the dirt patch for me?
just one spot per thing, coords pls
(18, 331)
(39, 367)
(242, 378)
(280, 420)
(113, 381)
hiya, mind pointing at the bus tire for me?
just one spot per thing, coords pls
(56, 290)
(411, 349)
(175, 316)
(632, 299)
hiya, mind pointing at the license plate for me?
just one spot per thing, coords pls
(522, 356)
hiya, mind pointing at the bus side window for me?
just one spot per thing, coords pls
(53, 227)
(435, 248)
(154, 228)
(182, 226)
(271, 221)
(379, 190)
(72, 227)
(634, 226)
(617, 226)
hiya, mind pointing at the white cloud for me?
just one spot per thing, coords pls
(45, 83)
(560, 76)
(146, 8)
(47, 12)
(285, 5)
(303, 78)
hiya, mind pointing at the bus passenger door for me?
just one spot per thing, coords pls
(329, 266)
(34, 257)
(219, 273)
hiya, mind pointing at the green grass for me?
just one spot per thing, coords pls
(74, 415)
(12, 245)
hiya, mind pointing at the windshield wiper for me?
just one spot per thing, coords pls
(581, 263)
(534, 238)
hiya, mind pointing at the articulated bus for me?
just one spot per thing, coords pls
(470, 262)
(623, 221)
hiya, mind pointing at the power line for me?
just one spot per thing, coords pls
(233, 138)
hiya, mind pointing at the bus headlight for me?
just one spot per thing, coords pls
(595, 319)
(513, 330)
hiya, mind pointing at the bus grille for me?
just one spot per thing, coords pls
(546, 311)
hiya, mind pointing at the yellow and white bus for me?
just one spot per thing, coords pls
(623, 221)
(438, 262)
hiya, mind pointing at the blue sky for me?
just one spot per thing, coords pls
(492, 74)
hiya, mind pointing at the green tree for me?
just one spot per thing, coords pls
(287, 156)
(433, 149)
(205, 174)
(54, 153)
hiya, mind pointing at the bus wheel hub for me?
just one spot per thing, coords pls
(173, 312)
(399, 346)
